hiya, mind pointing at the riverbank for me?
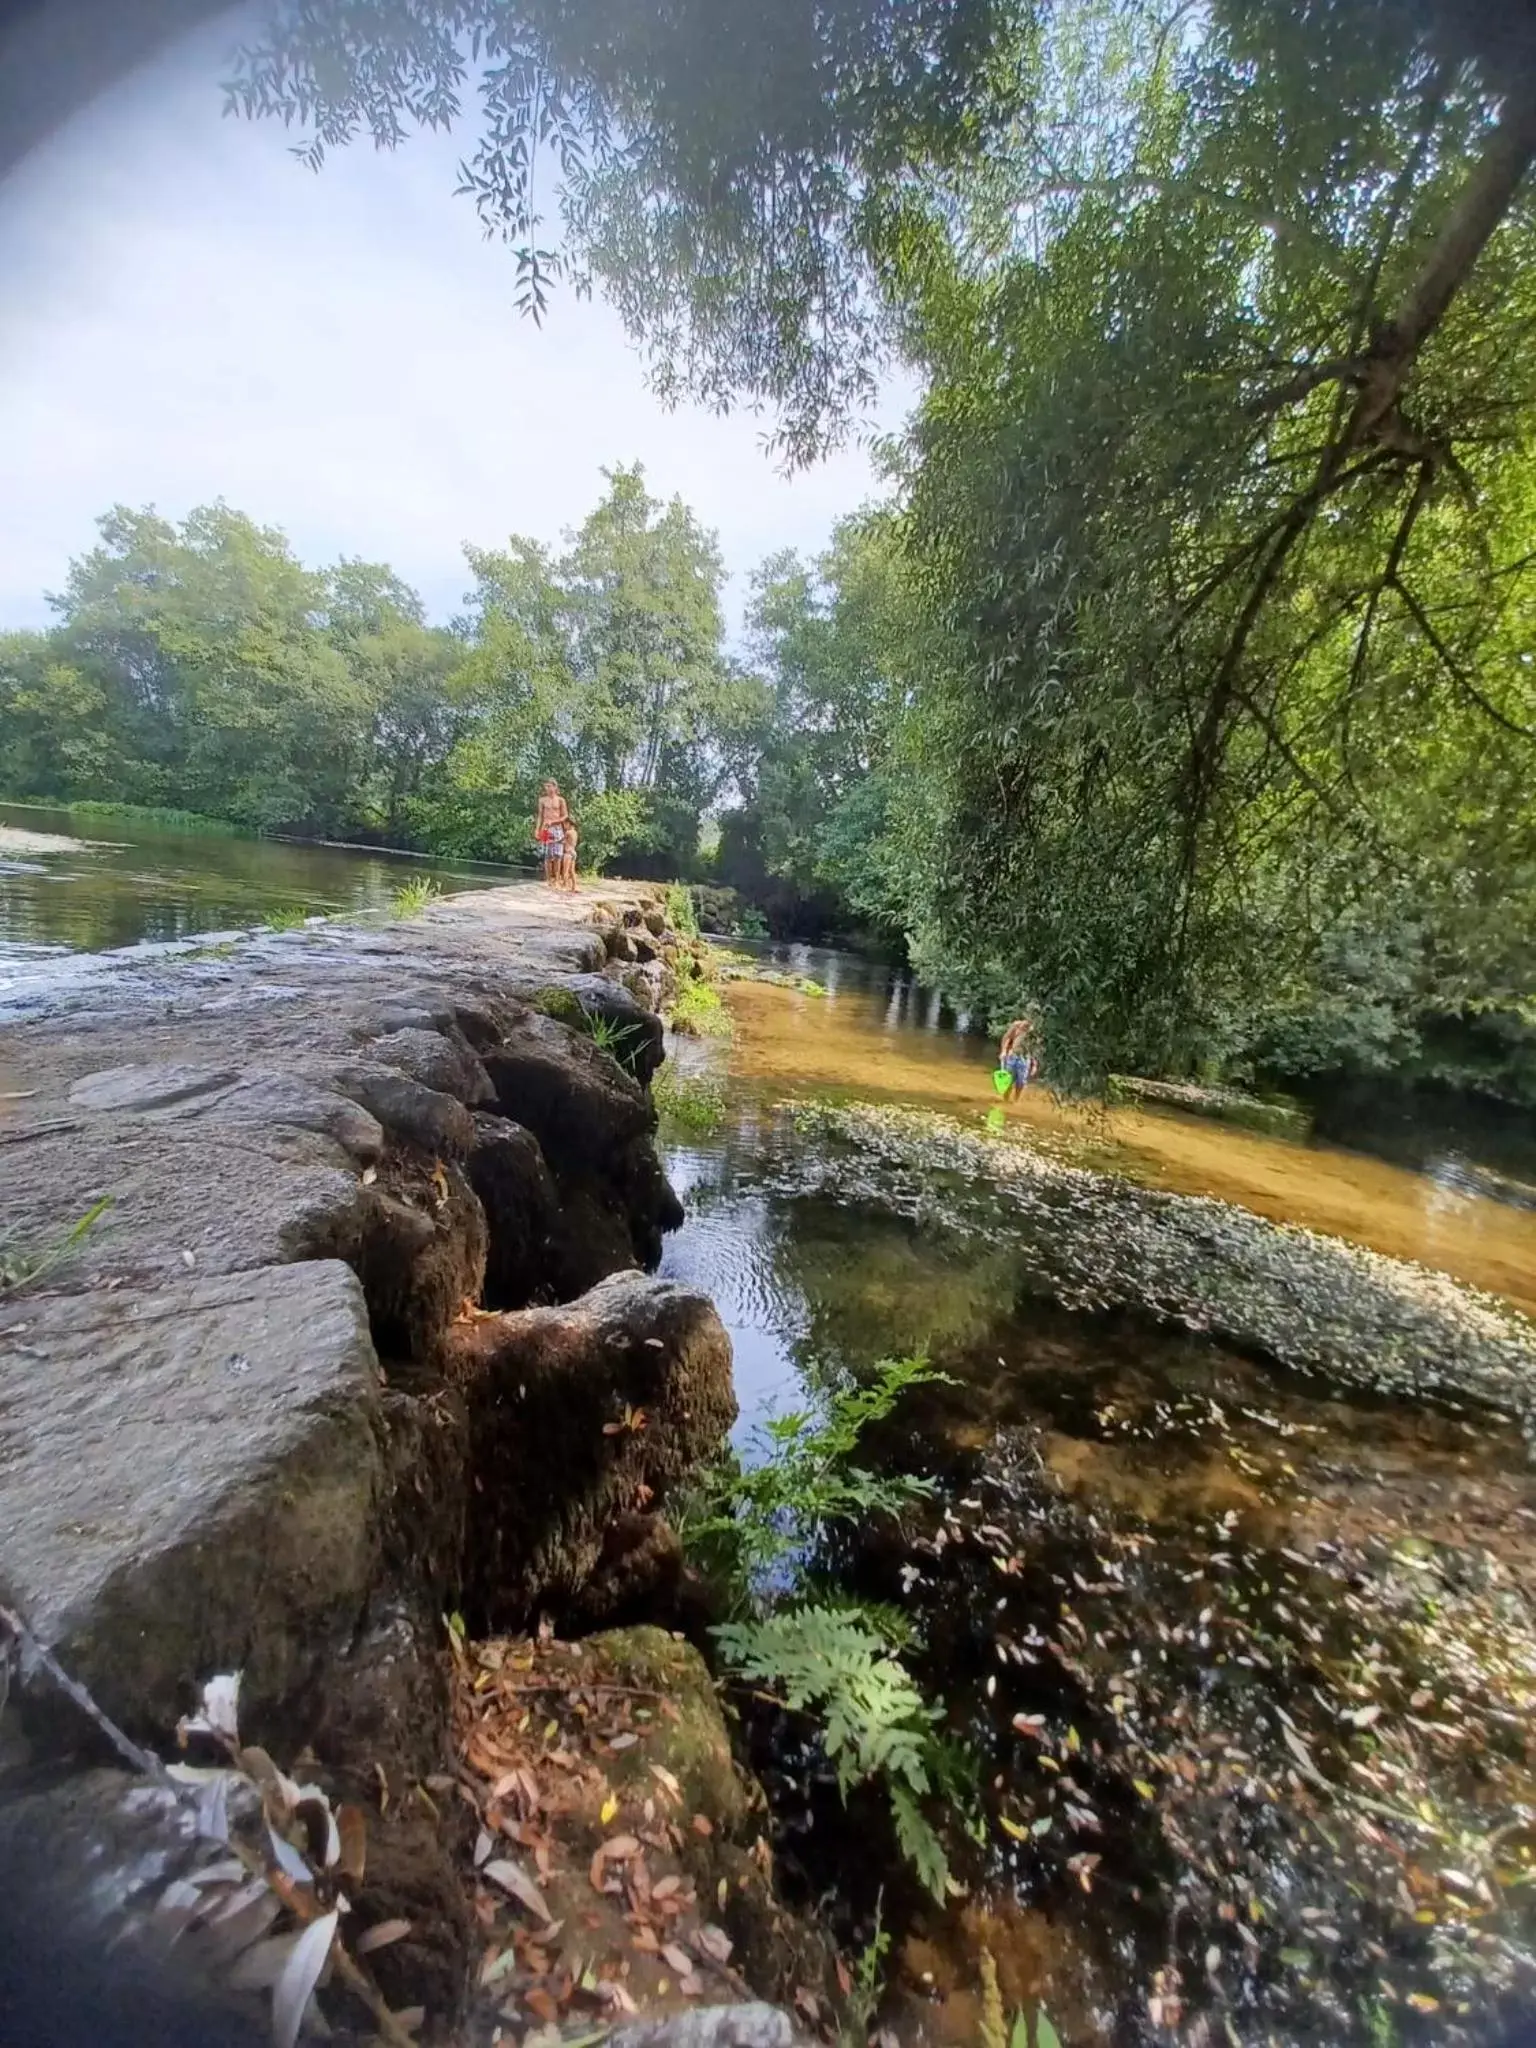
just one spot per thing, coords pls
(327, 1257)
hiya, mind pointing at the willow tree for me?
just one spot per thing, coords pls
(713, 165)
(1222, 491)
(1217, 501)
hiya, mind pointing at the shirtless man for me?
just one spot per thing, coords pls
(1017, 1055)
(549, 831)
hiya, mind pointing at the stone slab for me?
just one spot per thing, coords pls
(190, 1481)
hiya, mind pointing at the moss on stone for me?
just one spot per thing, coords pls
(560, 1004)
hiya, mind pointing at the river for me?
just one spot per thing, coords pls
(85, 882)
(1241, 1658)
(1245, 1660)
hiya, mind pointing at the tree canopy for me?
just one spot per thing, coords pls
(1184, 684)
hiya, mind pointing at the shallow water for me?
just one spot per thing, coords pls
(72, 882)
(877, 1036)
(1247, 1661)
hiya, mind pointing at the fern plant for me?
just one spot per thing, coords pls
(748, 1521)
(875, 1724)
(754, 1527)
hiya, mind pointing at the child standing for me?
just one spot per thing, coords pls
(570, 835)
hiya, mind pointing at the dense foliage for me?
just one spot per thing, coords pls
(1220, 495)
(1185, 689)
(203, 668)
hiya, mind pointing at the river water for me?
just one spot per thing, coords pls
(74, 881)
(1245, 1661)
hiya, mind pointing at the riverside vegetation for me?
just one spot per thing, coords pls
(1180, 687)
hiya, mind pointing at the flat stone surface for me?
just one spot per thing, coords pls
(149, 1087)
(229, 1106)
(189, 1481)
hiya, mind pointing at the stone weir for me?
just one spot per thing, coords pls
(377, 1206)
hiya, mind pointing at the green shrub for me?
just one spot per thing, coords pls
(681, 914)
(699, 1012)
(412, 897)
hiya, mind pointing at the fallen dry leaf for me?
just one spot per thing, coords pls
(381, 1936)
(514, 1880)
(677, 1958)
(715, 1943)
(702, 1824)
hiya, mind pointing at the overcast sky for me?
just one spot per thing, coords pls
(186, 314)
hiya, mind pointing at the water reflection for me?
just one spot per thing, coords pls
(113, 882)
(1249, 1663)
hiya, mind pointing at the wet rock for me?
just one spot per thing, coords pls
(638, 1575)
(595, 1128)
(640, 1048)
(189, 1482)
(508, 1173)
(584, 1112)
(422, 1256)
(267, 1101)
(578, 1415)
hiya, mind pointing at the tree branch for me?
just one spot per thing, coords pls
(1454, 668)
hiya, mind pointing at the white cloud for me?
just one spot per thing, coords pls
(188, 314)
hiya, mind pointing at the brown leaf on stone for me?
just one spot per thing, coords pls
(666, 1887)
(618, 1848)
(702, 1824)
(676, 1958)
(691, 1986)
(542, 2006)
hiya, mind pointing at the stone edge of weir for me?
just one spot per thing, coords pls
(359, 1188)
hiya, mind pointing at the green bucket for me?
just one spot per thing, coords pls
(1002, 1080)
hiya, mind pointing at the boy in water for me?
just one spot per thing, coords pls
(568, 854)
(1017, 1055)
